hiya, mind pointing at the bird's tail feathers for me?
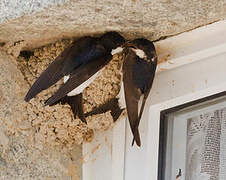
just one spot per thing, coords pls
(111, 105)
(138, 122)
(75, 102)
(136, 137)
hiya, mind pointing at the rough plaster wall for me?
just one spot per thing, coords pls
(20, 157)
(149, 18)
(10, 9)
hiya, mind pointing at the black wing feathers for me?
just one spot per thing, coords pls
(143, 74)
(145, 85)
(79, 53)
(138, 76)
(132, 94)
(83, 73)
(49, 77)
(82, 51)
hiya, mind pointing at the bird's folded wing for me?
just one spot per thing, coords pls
(132, 95)
(82, 73)
(132, 101)
(50, 76)
(144, 82)
(80, 52)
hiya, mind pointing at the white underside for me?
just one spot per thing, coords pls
(80, 88)
(122, 100)
(121, 97)
(140, 103)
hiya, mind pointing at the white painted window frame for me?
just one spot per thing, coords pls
(110, 155)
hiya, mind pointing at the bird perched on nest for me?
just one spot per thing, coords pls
(79, 65)
(138, 72)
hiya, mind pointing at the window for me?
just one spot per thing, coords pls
(193, 141)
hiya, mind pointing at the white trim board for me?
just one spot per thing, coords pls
(191, 46)
(177, 82)
(103, 158)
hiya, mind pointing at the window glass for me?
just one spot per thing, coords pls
(195, 142)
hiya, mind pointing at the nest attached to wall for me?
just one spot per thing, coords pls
(56, 125)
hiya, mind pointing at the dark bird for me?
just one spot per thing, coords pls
(138, 72)
(79, 65)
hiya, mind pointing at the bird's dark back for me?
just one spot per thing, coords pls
(81, 52)
(143, 75)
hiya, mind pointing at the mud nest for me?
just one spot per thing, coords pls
(56, 125)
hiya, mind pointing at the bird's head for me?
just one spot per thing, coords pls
(143, 44)
(112, 40)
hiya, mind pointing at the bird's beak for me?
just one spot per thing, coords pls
(127, 44)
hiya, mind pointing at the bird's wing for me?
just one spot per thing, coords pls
(138, 77)
(71, 58)
(49, 77)
(144, 82)
(143, 76)
(132, 95)
(83, 73)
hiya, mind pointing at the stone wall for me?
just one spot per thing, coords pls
(152, 19)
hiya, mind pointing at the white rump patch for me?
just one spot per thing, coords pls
(140, 53)
(82, 86)
(66, 78)
(116, 50)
